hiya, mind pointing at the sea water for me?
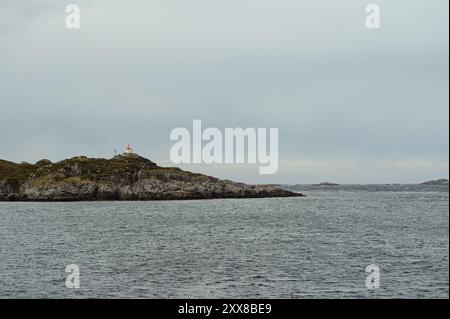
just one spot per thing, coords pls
(316, 246)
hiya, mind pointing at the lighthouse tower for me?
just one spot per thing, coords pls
(128, 149)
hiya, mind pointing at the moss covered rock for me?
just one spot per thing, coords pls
(124, 177)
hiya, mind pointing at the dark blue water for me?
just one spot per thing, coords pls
(312, 247)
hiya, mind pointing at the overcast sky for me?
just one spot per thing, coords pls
(352, 105)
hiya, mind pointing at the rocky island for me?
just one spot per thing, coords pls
(123, 177)
(439, 182)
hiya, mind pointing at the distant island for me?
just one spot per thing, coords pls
(124, 177)
(326, 184)
(441, 181)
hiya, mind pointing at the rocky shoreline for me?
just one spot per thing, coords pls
(124, 177)
(438, 182)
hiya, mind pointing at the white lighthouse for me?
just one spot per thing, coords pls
(128, 149)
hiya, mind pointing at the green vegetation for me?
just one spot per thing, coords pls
(90, 169)
(124, 177)
(16, 172)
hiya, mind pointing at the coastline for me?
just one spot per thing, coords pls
(127, 177)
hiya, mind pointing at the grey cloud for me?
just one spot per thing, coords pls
(135, 70)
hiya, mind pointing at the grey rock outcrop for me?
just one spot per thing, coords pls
(441, 181)
(124, 177)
